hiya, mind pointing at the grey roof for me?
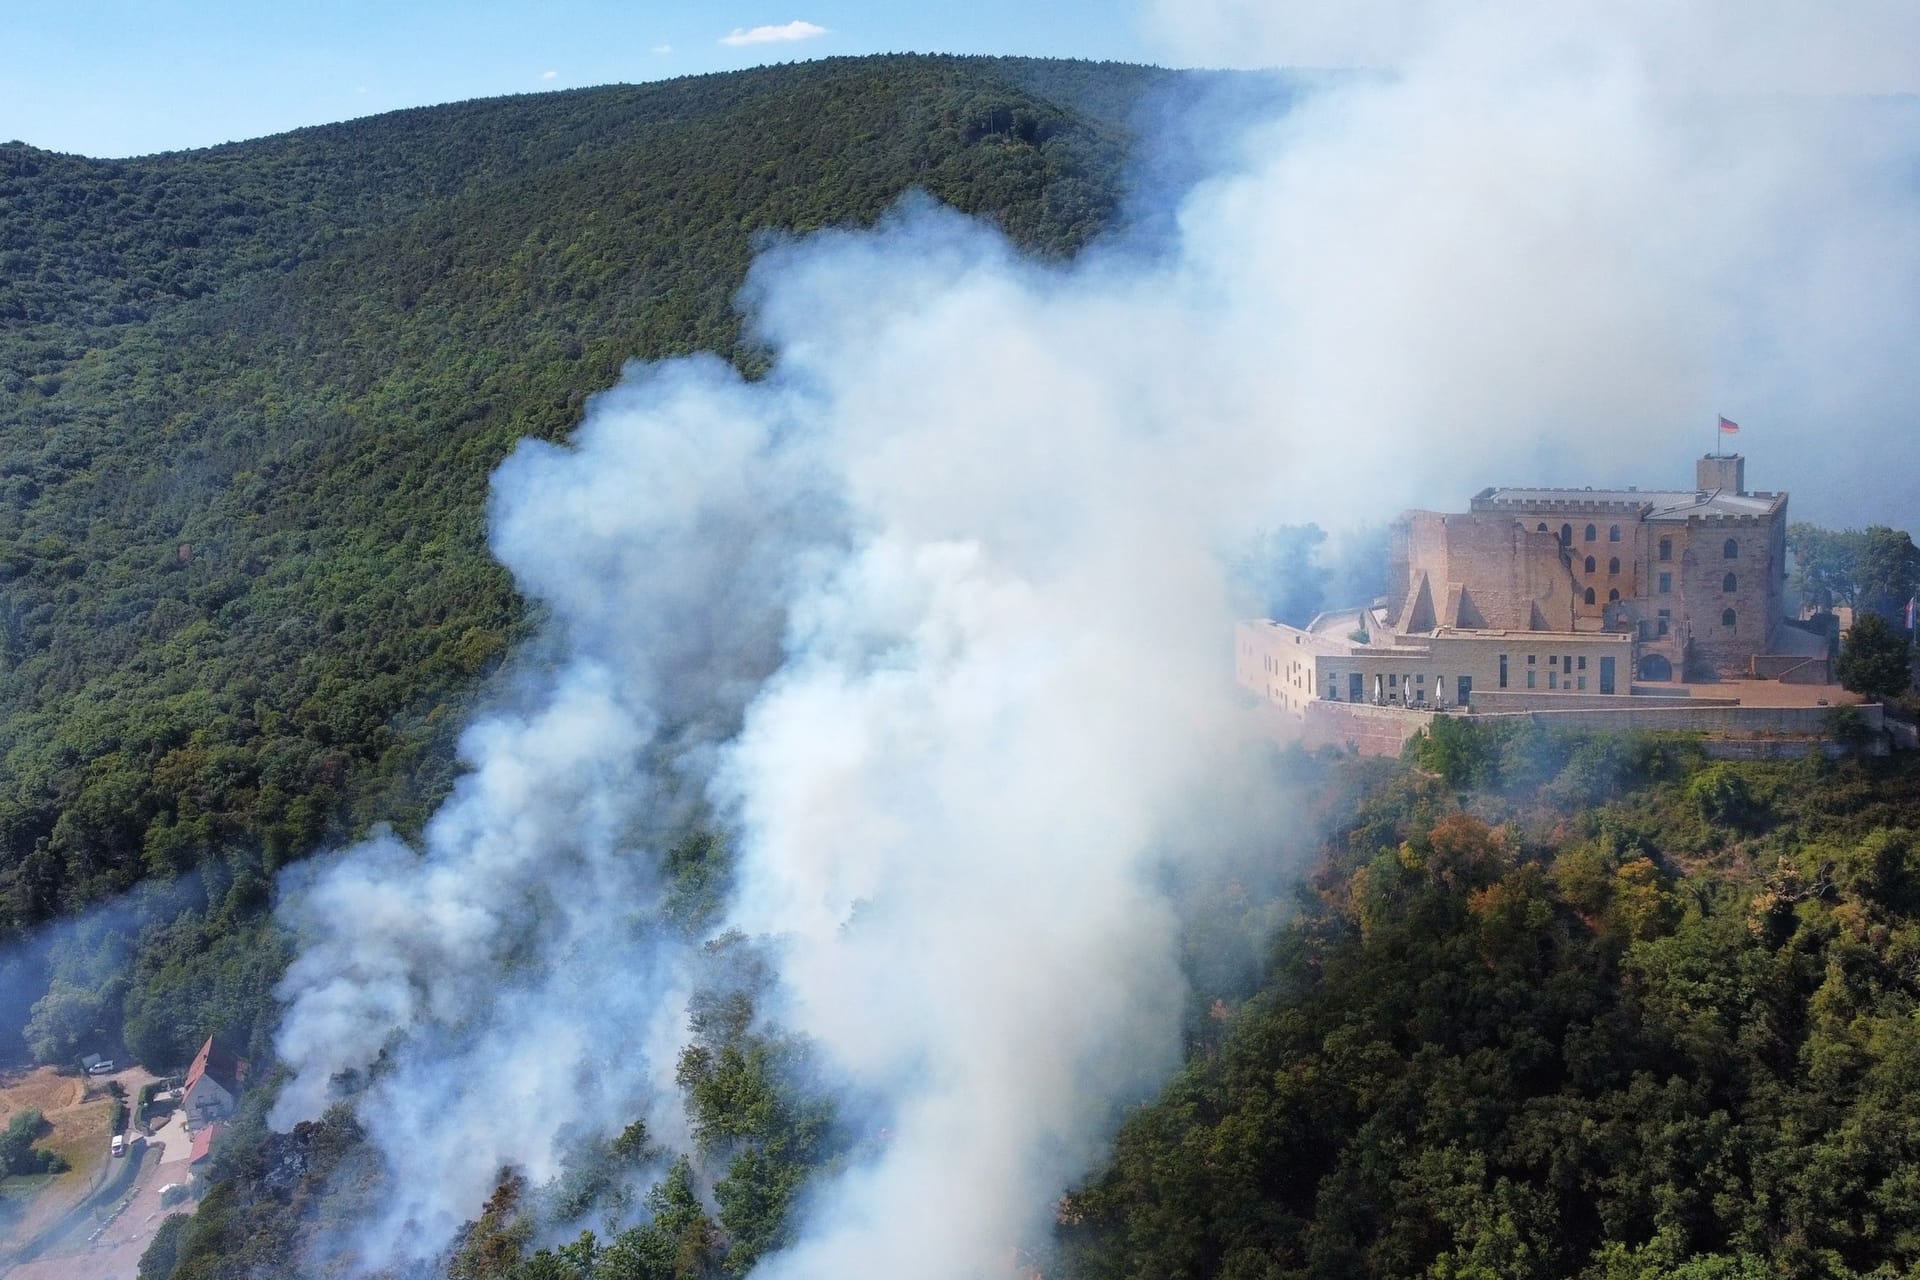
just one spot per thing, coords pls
(1658, 504)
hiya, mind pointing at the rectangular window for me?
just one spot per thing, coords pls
(1666, 548)
(1530, 679)
(1583, 662)
(1532, 658)
(1666, 583)
(1503, 671)
(1553, 679)
(1583, 682)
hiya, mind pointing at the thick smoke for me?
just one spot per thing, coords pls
(518, 950)
(936, 616)
(1554, 242)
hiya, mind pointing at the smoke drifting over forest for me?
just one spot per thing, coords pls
(934, 618)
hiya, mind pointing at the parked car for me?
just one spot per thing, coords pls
(119, 1144)
(101, 1068)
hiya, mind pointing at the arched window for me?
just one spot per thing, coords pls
(1612, 596)
(1543, 526)
(1592, 533)
(1732, 550)
(1590, 565)
(1613, 565)
(1589, 595)
(1726, 617)
(1613, 533)
(1566, 535)
(1730, 583)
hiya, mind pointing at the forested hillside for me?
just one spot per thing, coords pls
(1546, 1006)
(249, 400)
(1558, 1007)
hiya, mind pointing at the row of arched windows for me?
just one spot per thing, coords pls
(1728, 584)
(1730, 550)
(1593, 531)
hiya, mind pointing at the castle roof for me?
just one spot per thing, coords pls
(1665, 505)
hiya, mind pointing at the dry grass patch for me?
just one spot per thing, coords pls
(43, 1090)
(78, 1134)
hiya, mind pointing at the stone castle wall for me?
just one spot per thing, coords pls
(1513, 574)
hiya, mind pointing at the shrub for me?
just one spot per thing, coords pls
(17, 1153)
(1847, 724)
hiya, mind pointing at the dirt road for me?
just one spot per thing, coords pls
(94, 1222)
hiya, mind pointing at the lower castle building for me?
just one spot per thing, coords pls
(1556, 599)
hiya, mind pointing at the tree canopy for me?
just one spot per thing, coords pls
(1875, 569)
(249, 401)
(1876, 660)
(1557, 1007)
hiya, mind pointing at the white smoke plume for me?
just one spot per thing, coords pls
(937, 612)
(516, 948)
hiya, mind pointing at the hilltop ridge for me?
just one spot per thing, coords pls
(249, 399)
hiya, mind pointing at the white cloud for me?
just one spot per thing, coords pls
(795, 30)
(549, 75)
(663, 48)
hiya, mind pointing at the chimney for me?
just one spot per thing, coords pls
(1715, 472)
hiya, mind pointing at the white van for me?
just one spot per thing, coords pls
(119, 1144)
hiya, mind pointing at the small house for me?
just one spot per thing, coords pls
(213, 1084)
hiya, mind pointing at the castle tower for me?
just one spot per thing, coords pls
(1727, 474)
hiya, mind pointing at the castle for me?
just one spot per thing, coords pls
(1557, 600)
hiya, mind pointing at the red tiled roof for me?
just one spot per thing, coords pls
(217, 1062)
(203, 1143)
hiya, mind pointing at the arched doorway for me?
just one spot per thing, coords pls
(1654, 666)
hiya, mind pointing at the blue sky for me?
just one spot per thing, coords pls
(117, 77)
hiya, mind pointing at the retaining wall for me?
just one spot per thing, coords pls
(1790, 668)
(1790, 721)
(1370, 730)
(1501, 701)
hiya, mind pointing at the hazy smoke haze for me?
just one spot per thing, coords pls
(937, 614)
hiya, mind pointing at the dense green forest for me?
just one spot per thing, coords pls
(249, 400)
(1559, 1007)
